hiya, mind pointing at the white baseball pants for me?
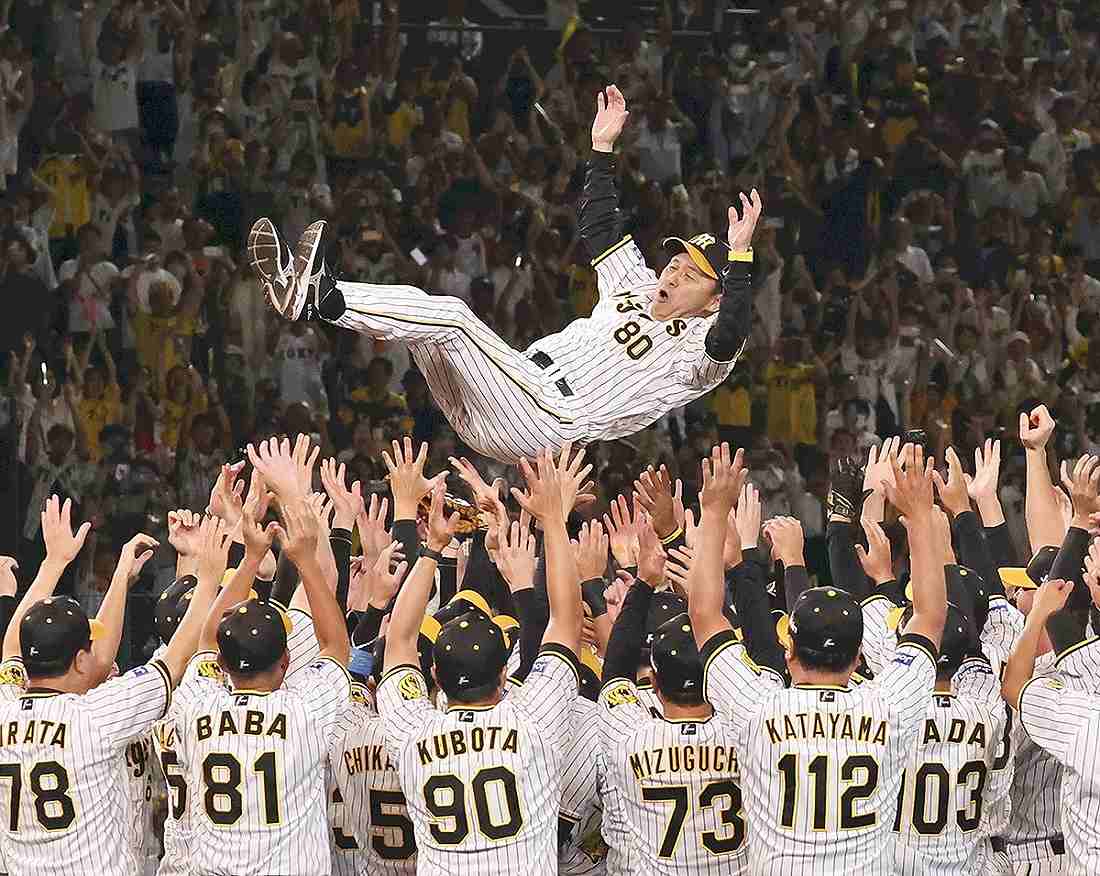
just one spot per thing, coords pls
(497, 400)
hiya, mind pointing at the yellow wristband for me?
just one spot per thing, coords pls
(669, 539)
(744, 256)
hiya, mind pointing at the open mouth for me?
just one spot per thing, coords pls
(662, 295)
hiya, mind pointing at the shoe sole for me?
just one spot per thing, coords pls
(305, 256)
(265, 251)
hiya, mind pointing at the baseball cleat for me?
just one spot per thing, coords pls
(313, 278)
(274, 268)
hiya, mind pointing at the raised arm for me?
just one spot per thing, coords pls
(112, 610)
(726, 338)
(912, 495)
(1042, 511)
(723, 478)
(214, 554)
(551, 493)
(1050, 599)
(412, 600)
(62, 547)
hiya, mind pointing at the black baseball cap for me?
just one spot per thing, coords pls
(425, 642)
(252, 637)
(711, 255)
(51, 633)
(172, 606)
(827, 620)
(960, 637)
(665, 606)
(469, 653)
(675, 659)
(962, 584)
(1034, 574)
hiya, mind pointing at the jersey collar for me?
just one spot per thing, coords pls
(841, 687)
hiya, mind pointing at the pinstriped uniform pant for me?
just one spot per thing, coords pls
(497, 400)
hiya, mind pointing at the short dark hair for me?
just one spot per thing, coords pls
(473, 694)
(830, 661)
(679, 697)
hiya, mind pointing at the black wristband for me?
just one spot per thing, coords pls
(426, 551)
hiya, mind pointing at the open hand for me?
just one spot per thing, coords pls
(611, 116)
(62, 544)
(743, 226)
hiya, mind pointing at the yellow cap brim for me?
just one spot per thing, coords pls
(96, 630)
(696, 254)
(783, 631)
(474, 598)
(1016, 576)
(429, 628)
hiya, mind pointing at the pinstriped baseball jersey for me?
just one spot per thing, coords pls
(959, 764)
(1064, 720)
(663, 364)
(64, 802)
(623, 857)
(1002, 628)
(483, 784)
(879, 640)
(647, 696)
(679, 783)
(139, 783)
(301, 642)
(582, 851)
(371, 830)
(254, 765)
(820, 765)
(1036, 792)
(177, 824)
(622, 369)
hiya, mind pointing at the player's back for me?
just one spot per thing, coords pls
(177, 823)
(581, 847)
(254, 764)
(679, 785)
(483, 783)
(65, 801)
(371, 830)
(956, 769)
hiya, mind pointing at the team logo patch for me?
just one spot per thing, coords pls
(1055, 684)
(466, 717)
(209, 669)
(409, 688)
(826, 696)
(12, 674)
(139, 671)
(689, 729)
(620, 695)
(904, 658)
(359, 695)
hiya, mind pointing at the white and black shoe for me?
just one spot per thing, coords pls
(314, 283)
(273, 266)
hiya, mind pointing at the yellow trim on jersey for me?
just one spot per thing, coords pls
(841, 687)
(463, 707)
(1073, 648)
(943, 693)
(742, 256)
(931, 657)
(249, 692)
(874, 597)
(458, 326)
(513, 680)
(339, 665)
(546, 651)
(40, 694)
(280, 606)
(615, 247)
(162, 667)
(293, 608)
(688, 720)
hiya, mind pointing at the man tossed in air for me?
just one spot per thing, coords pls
(652, 343)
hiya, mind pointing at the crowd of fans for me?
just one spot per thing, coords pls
(927, 168)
